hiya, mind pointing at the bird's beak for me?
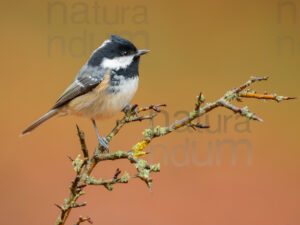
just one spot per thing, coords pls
(142, 52)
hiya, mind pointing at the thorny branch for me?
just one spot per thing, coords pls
(84, 167)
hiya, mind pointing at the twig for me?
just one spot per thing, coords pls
(198, 125)
(199, 101)
(265, 96)
(249, 82)
(118, 171)
(84, 219)
(79, 205)
(154, 107)
(71, 159)
(58, 206)
(242, 111)
(80, 134)
(108, 184)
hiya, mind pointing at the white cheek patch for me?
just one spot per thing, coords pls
(117, 62)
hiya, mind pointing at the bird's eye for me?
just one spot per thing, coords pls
(124, 53)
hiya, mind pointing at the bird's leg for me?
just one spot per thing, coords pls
(102, 141)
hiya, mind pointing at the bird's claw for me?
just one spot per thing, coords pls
(103, 142)
(130, 109)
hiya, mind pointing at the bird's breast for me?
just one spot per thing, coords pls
(105, 100)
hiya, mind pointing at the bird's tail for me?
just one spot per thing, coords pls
(41, 120)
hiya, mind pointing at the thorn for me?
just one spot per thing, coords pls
(199, 97)
(78, 130)
(69, 157)
(260, 120)
(199, 102)
(81, 186)
(118, 171)
(155, 107)
(79, 205)
(58, 206)
(199, 125)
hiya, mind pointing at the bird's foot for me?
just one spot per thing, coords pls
(103, 142)
(131, 109)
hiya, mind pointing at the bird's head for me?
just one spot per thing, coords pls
(116, 53)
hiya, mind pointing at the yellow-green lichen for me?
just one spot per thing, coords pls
(245, 108)
(159, 131)
(147, 132)
(155, 167)
(125, 178)
(192, 114)
(109, 187)
(118, 154)
(279, 98)
(230, 96)
(249, 115)
(144, 173)
(141, 164)
(92, 180)
(201, 111)
(77, 163)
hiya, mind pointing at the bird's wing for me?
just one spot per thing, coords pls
(84, 82)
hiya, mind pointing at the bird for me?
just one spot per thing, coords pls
(104, 86)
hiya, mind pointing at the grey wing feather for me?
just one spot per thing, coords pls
(86, 80)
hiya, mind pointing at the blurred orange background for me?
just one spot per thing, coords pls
(208, 46)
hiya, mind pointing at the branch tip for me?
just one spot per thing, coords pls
(117, 173)
(77, 205)
(154, 107)
(84, 219)
(264, 96)
(77, 127)
(58, 206)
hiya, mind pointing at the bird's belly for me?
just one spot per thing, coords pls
(104, 103)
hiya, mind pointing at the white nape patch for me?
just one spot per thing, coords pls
(117, 62)
(103, 44)
(79, 83)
